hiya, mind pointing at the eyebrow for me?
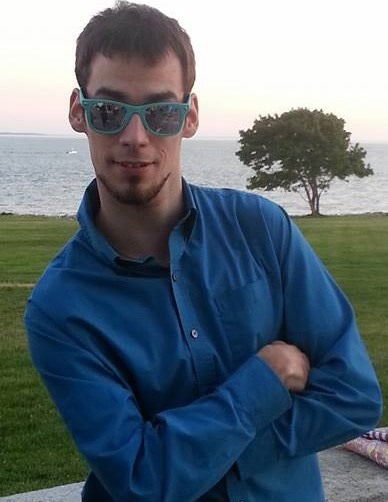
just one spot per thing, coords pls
(106, 92)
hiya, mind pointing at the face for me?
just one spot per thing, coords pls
(134, 167)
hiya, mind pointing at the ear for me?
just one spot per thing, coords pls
(192, 120)
(76, 113)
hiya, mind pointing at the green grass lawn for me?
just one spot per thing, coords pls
(35, 450)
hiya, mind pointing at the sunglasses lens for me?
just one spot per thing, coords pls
(165, 118)
(107, 117)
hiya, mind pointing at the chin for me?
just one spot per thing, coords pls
(136, 193)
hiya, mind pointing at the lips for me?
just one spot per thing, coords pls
(133, 164)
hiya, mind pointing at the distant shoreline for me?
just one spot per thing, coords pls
(195, 138)
(77, 136)
(23, 134)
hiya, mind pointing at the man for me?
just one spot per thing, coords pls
(194, 345)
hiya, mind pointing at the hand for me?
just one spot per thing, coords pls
(289, 363)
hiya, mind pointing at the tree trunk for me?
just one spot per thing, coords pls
(315, 211)
(313, 196)
(314, 200)
(317, 205)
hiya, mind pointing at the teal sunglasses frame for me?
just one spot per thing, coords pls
(130, 110)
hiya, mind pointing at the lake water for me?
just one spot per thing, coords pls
(39, 176)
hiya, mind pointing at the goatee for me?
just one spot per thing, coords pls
(135, 194)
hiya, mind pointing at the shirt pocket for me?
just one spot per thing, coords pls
(249, 317)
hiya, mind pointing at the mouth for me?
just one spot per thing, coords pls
(133, 164)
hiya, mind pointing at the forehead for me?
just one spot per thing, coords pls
(135, 77)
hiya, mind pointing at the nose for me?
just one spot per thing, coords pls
(134, 133)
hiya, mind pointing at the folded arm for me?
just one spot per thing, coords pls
(178, 455)
(342, 397)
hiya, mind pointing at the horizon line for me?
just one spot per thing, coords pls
(194, 138)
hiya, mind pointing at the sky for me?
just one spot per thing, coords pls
(253, 57)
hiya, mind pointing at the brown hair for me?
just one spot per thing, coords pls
(134, 30)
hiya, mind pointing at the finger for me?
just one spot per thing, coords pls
(306, 361)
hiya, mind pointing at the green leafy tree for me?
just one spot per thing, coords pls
(301, 151)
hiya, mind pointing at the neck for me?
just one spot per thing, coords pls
(136, 231)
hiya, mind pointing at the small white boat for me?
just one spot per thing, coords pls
(71, 151)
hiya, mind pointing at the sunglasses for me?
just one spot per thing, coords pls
(106, 116)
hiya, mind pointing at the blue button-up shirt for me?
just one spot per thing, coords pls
(154, 369)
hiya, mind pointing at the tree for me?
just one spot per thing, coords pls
(301, 151)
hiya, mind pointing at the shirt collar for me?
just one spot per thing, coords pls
(191, 212)
(90, 206)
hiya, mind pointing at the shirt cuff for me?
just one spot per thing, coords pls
(258, 393)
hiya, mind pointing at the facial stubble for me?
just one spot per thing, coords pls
(133, 194)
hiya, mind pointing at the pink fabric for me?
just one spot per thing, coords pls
(373, 449)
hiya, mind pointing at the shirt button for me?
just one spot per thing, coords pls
(174, 277)
(194, 333)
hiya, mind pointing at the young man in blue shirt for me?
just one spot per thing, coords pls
(193, 343)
